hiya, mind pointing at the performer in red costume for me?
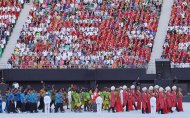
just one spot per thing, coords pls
(169, 99)
(138, 98)
(125, 97)
(112, 99)
(174, 102)
(165, 110)
(130, 100)
(144, 100)
(156, 92)
(133, 96)
(179, 100)
(118, 104)
(161, 100)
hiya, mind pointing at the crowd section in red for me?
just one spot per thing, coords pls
(9, 12)
(176, 46)
(88, 34)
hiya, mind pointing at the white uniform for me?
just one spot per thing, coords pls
(47, 101)
(121, 95)
(99, 104)
(69, 99)
(153, 105)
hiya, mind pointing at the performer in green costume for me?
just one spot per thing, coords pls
(87, 100)
(105, 97)
(77, 102)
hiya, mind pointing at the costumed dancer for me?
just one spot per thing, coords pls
(121, 95)
(59, 101)
(169, 99)
(99, 102)
(129, 100)
(105, 96)
(18, 99)
(69, 98)
(112, 100)
(179, 100)
(77, 102)
(153, 105)
(161, 100)
(23, 101)
(133, 96)
(27, 107)
(33, 101)
(156, 92)
(6, 100)
(53, 92)
(138, 98)
(144, 100)
(86, 96)
(94, 96)
(118, 104)
(11, 104)
(47, 101)
(150, 94)
(174, 97)
(125, 97)
(42, 92)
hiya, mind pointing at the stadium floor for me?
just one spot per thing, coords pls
(104, 114)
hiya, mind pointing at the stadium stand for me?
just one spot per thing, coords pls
(176, 46)
(9, 13)
(88, 34)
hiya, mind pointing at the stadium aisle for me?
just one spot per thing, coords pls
(15, 35)
(160, 35)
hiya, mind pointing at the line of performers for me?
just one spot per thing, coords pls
(149, 100)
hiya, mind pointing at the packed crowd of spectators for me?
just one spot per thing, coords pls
(9, 12)
(177, 42)
(87, 34)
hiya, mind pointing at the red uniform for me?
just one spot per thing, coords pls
(144, 101)
(138, 97)
(133, 96)
(173, 99)
(125, 98)
(165, 110)
(112, 99)
(157, 100)
(130, 101)
(169, 100)
(179, 102)
(161, 100)
(118, 104)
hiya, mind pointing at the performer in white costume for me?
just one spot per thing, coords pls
(99, 102)
(47, 101)
(153, 105)
(121, 94)
(69, 99)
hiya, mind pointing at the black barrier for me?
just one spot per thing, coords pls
(11, 75)
(73, 74)
(180, 73)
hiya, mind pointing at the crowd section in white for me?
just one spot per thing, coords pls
(103, 114)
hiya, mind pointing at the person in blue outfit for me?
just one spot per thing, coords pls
(23, 101)
(59, 101)
(1, 101)
(11, 106)
(27, 97)
(6, 100)
(33, 101)
(18, 99)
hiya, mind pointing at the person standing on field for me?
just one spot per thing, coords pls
(47, 101)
